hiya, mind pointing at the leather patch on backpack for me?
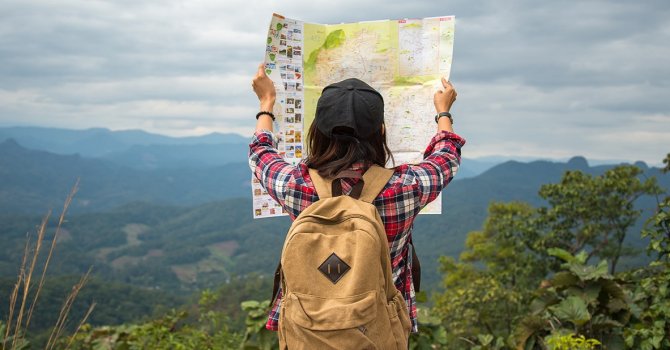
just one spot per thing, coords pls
(334, 268)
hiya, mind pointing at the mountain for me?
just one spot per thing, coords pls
(185, 234)
(98, 142)
(31, 181)
(200, 155)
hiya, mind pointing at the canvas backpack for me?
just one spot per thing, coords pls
(335, 269)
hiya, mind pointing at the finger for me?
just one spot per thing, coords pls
(261, 70)
(444, 82)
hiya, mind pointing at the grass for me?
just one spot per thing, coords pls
(26, 292)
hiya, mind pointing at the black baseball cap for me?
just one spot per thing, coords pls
(350, 103)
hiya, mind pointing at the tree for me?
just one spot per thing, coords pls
(594, 213)
(492, 284)
(527, 271)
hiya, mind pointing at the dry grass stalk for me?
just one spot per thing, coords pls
(61, 219)
(22, 289)
(65, 310)
(83, 321)
(15, 293)
(27, 278)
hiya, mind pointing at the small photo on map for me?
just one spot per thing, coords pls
(290, 110)
(289, 35)
(297, 52)
(297, 69)
(283, 36)
(282, 42)
(298, 87)
(258, 212)
(298, 117)
(290, 155)
(298, 104)
(289, 52)
(290, 76)
(298, 135)
(298, 151)
(257, 192)
(289, 140)
(289, 132)
(283, 75)
(289, 101)
(290, 119)
(289, 148)
(282, 52)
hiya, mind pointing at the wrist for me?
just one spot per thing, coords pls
(267, 105)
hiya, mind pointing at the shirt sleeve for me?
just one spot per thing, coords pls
(441, 161)
(269, 167)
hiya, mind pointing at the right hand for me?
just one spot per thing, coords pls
(443, 99)
(264, 89)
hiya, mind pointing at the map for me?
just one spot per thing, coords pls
(403, 59)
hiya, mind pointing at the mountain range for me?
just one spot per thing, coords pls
(140, 224)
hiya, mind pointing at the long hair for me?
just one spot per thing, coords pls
(331, 155)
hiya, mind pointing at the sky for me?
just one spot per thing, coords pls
(535, 79)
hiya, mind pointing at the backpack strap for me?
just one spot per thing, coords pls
(374, 181)
(322, 185)
(332, 187)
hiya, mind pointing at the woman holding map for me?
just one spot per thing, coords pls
(348, 136)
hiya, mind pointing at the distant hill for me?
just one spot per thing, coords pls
(184, 247)
(31, 181)
(145, 151)
(97, 142)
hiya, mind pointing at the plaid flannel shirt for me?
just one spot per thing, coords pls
(410, 188)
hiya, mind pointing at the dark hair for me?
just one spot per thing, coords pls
(331, 155)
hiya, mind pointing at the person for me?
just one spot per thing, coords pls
(348, 133)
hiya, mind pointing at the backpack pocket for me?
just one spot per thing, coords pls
(312, 322)
(399, 317)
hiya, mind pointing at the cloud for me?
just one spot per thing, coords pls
(544, 79)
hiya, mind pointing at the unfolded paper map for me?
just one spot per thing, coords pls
(403, 59)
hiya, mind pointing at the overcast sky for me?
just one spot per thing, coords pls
(534, 78)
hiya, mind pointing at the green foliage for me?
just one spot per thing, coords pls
(432, 334)
(256, 336)
(594, 213)
(650, 293)
(492, 299)
(483, 303)
(650, 327)
(209, 330)
(558, 341)
(584, 299)
(7, 343)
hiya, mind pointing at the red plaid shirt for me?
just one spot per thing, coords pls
(410, 188)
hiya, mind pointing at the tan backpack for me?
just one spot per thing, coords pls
(338, 290)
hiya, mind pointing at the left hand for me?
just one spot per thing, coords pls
(264, 89)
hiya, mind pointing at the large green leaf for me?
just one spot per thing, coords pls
(590, 272)
(572, 309)
(562, 254)
(564, 279)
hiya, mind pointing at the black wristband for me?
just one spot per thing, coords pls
(266, 113)
(444, 114)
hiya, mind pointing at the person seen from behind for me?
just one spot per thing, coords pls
(348, 134)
